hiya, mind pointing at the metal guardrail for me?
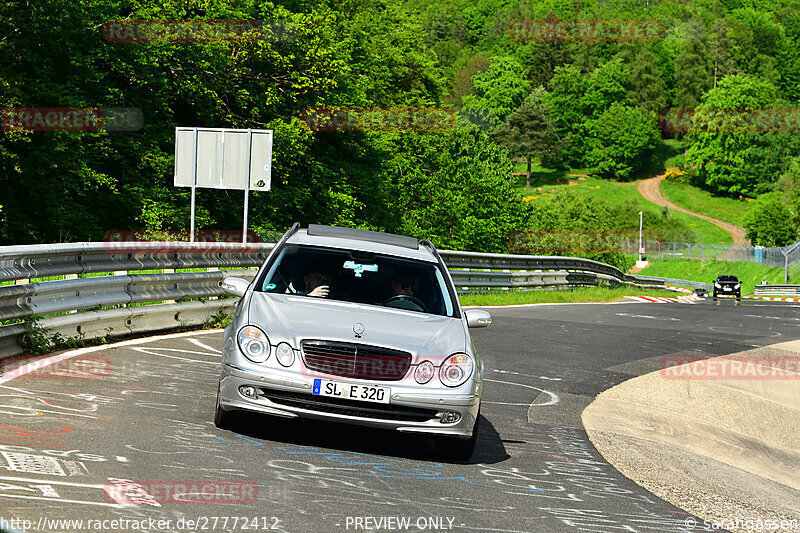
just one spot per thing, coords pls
(95, 306)
(777, 290)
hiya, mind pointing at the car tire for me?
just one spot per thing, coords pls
(224, 419)
(715, 294)
(458, 450)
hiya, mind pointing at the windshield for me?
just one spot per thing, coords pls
(359, 277)
(727, 278)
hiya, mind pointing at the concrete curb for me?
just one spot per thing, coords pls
(732, 420)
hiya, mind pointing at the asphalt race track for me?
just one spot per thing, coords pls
(73, 447)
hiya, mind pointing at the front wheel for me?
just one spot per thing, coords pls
(224, 419)
(458, 450)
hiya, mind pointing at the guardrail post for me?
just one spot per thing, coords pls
(785, 267)
(702, 251)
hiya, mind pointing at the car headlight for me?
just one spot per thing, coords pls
(717, 285)
(424, 372)
(737, 285)
(456, 369)
(254, 344)
(284, 354)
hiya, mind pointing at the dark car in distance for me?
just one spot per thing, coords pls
(727, 285)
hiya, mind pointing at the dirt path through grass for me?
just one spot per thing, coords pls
(650, 190)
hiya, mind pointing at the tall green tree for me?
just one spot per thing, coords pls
(644, 80)
(623, 139)
(693, 73)
(529, 131)
(498, 91)
(723, 150)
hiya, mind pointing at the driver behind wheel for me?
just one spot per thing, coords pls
(403, 289)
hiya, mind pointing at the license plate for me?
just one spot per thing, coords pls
(350, 391)
(726, 288)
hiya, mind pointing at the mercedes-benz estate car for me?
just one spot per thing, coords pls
(359, 327)
(727, 285)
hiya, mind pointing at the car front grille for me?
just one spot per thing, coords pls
(356, 361)
(348, 407)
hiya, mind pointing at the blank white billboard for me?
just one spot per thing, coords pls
(222, 158)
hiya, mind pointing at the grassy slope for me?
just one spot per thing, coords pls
(583, 294)
(700, 201)
(612, 192)
(706, 271)
(667, 154)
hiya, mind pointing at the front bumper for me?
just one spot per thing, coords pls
(411, 409)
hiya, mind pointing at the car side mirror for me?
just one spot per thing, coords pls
(235, 286)
(477, 318)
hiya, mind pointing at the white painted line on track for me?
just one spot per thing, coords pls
(206, 346)
(629, 315)
(150, 352)
(36, 365)
(554, 399)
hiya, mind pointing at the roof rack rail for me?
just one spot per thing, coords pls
(316, 230)
(429, 244)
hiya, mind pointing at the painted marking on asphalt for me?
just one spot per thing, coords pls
(36, 365)
(150, 352)
(521, 374)
(689, 299)
(206, 346)
(668, 318)
(554, 399)
(179, 351)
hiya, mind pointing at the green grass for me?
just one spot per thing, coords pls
(706, 271)
(582, 294)
(700, 201)
(615, 193)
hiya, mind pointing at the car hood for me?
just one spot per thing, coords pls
(295, 318)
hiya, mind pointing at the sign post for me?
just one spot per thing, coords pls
(219, 158)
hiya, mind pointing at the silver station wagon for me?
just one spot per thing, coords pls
(354, 326)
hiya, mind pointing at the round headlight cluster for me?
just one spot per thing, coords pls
(284, 354)
(254, 344)
(456, 369)
(424, 372)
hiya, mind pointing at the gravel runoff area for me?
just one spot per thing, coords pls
(724, 449)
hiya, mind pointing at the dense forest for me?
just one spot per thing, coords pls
(596, 103)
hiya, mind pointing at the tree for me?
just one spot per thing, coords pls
(769, 221)
(645, 83)
(721, 43)
(529, 132)
(693, 73)
(498, 91)
(623, 139)
(724, 152)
